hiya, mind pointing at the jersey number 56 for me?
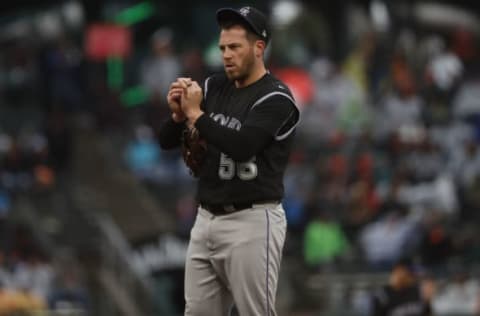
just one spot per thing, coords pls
(244, 170)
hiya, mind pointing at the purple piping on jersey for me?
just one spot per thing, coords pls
(268, 261)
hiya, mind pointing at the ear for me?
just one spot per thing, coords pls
(259, 48)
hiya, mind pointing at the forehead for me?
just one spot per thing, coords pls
(232, 34)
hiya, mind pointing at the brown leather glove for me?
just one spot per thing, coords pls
(194, 150)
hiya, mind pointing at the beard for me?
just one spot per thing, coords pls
(242, 72)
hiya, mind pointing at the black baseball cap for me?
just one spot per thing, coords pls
(250, 16)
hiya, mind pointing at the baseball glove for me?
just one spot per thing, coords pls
(194, 150)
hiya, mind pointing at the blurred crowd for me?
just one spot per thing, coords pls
(38, 90)
(392, 137)
(31, 283)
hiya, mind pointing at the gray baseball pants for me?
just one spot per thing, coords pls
(235, 258)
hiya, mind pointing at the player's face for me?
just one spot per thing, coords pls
(237, 53)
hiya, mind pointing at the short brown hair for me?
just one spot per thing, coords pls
(251, 35)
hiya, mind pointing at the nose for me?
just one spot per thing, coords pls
(227, 54)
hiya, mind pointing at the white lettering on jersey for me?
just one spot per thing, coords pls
(219, 118)
(234, 124)
(227, 121)
(228, 168)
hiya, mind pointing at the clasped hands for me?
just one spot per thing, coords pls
(184, 98)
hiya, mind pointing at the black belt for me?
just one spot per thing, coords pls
(223, 209)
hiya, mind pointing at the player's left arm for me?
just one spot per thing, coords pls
(271, 119)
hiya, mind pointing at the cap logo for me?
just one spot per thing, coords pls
(244, 11)
(264, 33)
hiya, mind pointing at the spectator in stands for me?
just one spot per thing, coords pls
(5, 273)
(297, 179)
(425, 161)
(465, 102)
(193, 65)
(404, 294)
(15, 176)
(332, 183)
(465, 164)
(19, 303)
(33, 275)
(338, 104)
(60, 140)
(471, 201)
(63, 75)
(362, 204)
(439, 194)
(402, 106)
(461, 296)
(390, 238)
(436, 245)
(451, 137)
(324, 241)
(143, 154)
(69, 294)
(157, 72)
(186, 213)
(5, 209)
(163, 66)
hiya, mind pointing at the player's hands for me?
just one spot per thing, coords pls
(174, 97)
(190, 102)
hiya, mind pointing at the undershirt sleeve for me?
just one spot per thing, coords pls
(170, 134)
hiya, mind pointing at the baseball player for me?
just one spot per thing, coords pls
(236, 132)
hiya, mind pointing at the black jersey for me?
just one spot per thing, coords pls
(406, 302)
(267, 104)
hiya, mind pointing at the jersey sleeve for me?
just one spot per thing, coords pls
(169, 134)
(276, 113)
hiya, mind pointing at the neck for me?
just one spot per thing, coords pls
(258, 72)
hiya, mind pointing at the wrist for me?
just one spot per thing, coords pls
(192, 116)
(178, 118)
